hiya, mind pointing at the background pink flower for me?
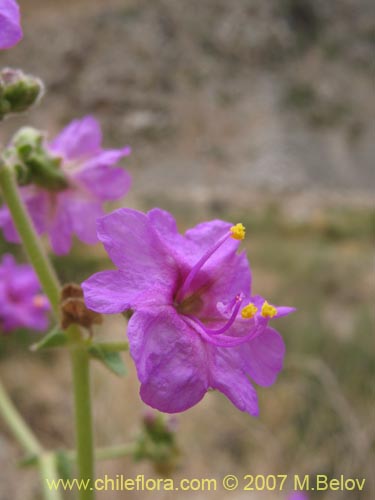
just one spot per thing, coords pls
(22, 305)
(10, 25)
(92, 179)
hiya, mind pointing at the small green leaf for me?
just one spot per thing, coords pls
(112, 360)
(55, 338)
(119, 346)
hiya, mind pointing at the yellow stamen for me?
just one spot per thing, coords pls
(249, 311)
(39, 301)
(238, 231)
(268, 311)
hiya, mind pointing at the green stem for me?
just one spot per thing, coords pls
(83, 419)
(29, 443)
(30, 240)
(48, 472)
(78, 353)
(17, 425)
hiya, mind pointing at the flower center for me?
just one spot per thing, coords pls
(236, 232)
(189, 303)
(235, 305)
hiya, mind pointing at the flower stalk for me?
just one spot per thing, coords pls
(32, 244)
(78, 351)
(83, 418)
(29, 443)
(48, 470)
(17, 425)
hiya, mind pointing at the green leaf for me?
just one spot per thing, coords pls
(112, 360)
(119, 346)
(55, 338)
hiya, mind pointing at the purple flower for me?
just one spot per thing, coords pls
(195, 325)
(10, 26)
(21, 301)
(92, 180)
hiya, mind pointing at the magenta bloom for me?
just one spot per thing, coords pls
(10, 25)
(195, 325)
(22, 304)
(92, 180)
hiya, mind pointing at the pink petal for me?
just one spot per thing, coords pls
(83, 215)
(263, 357)
(60, 228)
(111, 292)
(10, 26)
(228, 377)
(165, 225)
(37, 206)
(105, 182)
(224, 275)
(170, 360)
(230, 278)
(81, 138)
(133, 245)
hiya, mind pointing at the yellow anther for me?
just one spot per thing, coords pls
(268, 311)
(39, 301)
(249, 311)
(238, 231)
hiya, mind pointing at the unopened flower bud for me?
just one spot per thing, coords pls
(18, 91)
(33, 162)
(157, 442)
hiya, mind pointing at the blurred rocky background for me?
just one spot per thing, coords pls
(246, 110)
(216, 97)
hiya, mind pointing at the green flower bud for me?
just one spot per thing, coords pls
(157, 443)
(33, 162)
(18, 91)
